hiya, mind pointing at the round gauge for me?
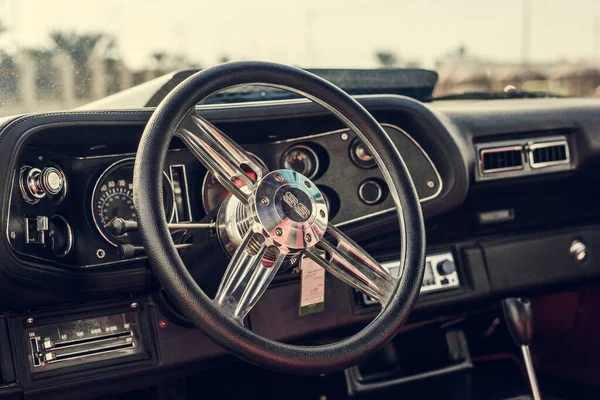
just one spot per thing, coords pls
(214, 194)
(302, 159)
(113, 198)
(361, 156)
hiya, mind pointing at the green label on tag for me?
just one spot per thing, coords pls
(312, 288)
(312, 309)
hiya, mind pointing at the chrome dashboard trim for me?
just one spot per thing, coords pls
(303, 100)
(309, 137)
(490, 150)
(366, 216)
(540, 145)
(120, 155)
(437, 173)
(187, 191)
(257, 103)
(12, 188)
(362, 197)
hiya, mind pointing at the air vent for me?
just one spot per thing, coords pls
(501, 159)
(547, 154)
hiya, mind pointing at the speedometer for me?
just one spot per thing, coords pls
(113, 198)
(116, 202)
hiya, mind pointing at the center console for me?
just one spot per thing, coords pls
(406, 360)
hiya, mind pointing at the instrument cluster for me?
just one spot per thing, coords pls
(80, 212)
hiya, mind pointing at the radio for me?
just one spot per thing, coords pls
(76, 342)
(440, 274)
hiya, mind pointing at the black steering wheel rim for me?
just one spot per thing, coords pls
(174, 276)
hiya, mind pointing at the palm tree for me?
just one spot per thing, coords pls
(8, 73)
(42, 57)
(79, 48)
(45, 79)
(159, 57)
(386, 59)
(159, 66)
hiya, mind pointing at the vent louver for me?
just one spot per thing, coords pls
(547, 154)
(501, 159)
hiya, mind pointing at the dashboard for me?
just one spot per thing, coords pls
(63, 203)
(507, 188)
(71, 178)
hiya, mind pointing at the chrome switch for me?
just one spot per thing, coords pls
(35, 229)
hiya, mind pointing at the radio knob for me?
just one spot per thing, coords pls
(446, 267)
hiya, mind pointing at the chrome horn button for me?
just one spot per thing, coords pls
(291, 209)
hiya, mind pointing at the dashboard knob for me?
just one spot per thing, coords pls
(578, 250)
(52, 180)
(371, 192)
(30, 184)
(446, 267)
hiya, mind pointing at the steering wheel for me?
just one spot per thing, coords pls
(277, 215)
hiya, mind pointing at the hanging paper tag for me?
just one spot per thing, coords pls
(312, 288)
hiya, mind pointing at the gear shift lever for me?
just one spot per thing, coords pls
(518, 315)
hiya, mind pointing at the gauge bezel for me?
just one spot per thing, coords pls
(207, 174)
(112, 167)
(70, 236)
(357, 161)
(303, 147)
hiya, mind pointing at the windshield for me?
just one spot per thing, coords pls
(62, 54)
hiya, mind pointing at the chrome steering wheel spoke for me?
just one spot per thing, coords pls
(250, 271)
(351, 264)
(224, 158)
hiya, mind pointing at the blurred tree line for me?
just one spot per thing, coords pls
(79, 48)
(389, 59)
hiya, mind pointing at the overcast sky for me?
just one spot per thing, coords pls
(314, 33)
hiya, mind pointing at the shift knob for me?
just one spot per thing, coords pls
(518, 315)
